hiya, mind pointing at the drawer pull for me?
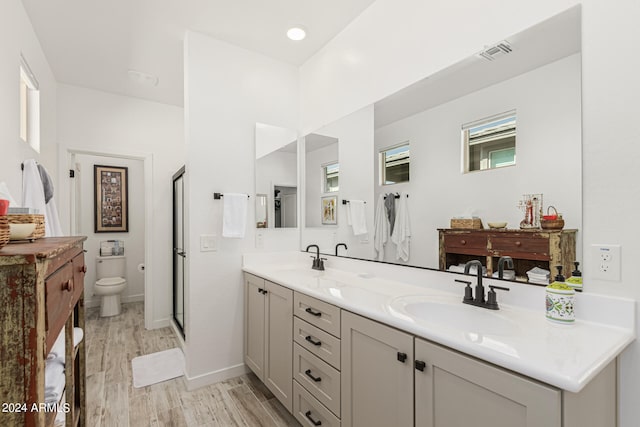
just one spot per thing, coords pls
(68, 286)
(312, 312)
(419, 365)
(309, 339)
(518, 243)
(83, 269)
(308, 373)
(402, 357)
(463, 242)
(315, 423)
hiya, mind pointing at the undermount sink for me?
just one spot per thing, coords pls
(450, 313)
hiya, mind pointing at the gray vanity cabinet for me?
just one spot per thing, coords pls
(268, 347)
(456, 390)
(377, 374)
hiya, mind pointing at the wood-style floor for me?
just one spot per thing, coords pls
(113, 401)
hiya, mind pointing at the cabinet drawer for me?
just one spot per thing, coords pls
(465, 241)
(319, 313)
(59, 290)
(309, 412)
(521, 244)
(320, 379)
(318, 342)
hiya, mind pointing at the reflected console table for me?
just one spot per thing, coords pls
(528, 248)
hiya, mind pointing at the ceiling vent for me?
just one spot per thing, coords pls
(497, 50)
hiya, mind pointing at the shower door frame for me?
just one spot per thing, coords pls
(179, 254)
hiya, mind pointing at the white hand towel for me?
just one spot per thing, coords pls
(380, 228)
(234, 215)
(358, 217)
(402, 229)
(57, 350)
(33, 197)
(54, 380)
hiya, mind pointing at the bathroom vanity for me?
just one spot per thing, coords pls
(372, 351)
(41, 291)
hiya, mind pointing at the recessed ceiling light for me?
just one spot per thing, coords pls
(143, 78)
(296, 33)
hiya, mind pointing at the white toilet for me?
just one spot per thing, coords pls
(110, 272)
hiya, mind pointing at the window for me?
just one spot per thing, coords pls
(394, 164)
(330, 173)
(490, 143)
(29, 107)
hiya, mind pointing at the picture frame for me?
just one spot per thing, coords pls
(111, 193)
(329, 210)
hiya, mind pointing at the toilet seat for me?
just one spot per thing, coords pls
(111, 281)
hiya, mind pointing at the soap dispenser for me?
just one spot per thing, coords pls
(575, 281)
(559, 300)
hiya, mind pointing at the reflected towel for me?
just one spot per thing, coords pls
(234, 215)
(58, 349)
(380, 228)
(357, 217)
(401, 235)
(390, 205)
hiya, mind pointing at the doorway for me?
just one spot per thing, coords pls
(179, 254)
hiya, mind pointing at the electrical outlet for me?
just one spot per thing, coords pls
(259, 241)
(208, 243)
(607, 260)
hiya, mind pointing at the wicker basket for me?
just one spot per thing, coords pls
(5, 231)
(36, 219)
(466, 223)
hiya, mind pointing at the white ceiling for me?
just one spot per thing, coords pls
(94, 43)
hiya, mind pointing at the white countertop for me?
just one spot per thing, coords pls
(516, 337)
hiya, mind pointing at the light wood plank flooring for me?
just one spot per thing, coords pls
(112, 401)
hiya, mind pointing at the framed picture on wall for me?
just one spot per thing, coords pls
(111, 199)
(329, 210)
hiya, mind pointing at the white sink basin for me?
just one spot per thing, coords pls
(451, 313)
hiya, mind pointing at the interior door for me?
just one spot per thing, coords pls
(179, 253)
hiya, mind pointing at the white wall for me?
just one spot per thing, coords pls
(16, 36)
(548, 151)
(99, 122)
(355, 134)
(363, 64)
(227, 90)
(133, 240)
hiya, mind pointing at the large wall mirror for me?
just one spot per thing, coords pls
(469, 141)
(276, 177)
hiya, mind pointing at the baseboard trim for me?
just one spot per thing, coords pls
(193, 383)
(95, 302)
(160, 323)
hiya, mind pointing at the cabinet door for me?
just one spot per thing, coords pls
(278, 371)
(457, 390)
(254, 324)
(377, 374)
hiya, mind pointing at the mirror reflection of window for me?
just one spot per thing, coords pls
(331, 174)
(394, 164)
(490, 143)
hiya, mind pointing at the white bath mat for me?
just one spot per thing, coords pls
(157, 367)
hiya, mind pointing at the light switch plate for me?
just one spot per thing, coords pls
(208, 243)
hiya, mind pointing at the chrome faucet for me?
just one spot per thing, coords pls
(492, 301)
(318, 263)
(341, 244)
(501, 262)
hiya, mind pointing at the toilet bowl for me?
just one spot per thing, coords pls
(110, 284)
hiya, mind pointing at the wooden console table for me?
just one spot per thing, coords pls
(528, 248)
(41, 291)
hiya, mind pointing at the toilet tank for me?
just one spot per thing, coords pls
(110, 266)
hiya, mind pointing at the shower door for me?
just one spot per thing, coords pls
(179, 253)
